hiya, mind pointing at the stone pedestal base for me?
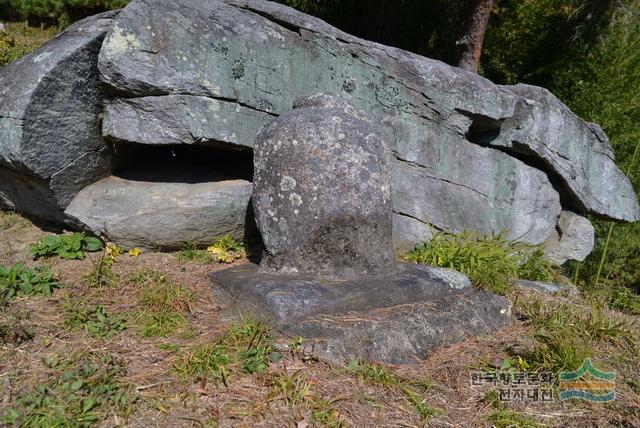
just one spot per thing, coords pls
(398, 318)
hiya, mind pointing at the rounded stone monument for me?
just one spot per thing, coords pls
(321, 195)
(322, 203)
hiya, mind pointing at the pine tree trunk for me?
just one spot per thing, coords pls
(476, 25)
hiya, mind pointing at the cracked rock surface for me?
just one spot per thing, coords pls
(468, 154)
(50, 105)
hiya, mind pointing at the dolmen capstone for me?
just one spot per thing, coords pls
(139, 126)
(328, 273)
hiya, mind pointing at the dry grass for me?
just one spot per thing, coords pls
(292, 390)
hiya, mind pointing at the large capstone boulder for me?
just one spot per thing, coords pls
(51, 143)
(468, 154)
(322, 196)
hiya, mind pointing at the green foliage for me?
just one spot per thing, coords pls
(94, 320)
(424, 410)
(18, 280)
(534, 267)
(374, 374)
(55, 12)
(19, 40)
(490, 261)
(223, 250)
(530, 41)
(245, 348)
(76, 394)
(191, 253)
(102, 275)
(162, 307)
(325, 415)
(429, 28)
(603, 88)
(69, 247)
(226, 249)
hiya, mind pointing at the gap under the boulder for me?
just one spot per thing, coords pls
(169, 196)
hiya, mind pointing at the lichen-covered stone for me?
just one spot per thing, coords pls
(50, 106)
(577, 152)
(261, 56)
(322, 196)
(181, 119)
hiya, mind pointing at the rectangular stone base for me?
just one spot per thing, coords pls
(396, 318)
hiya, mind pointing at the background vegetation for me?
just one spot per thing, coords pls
(587, 52)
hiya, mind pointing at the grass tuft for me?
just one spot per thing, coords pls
(491, 262)
(244, 348)
(510, 419)
(101, 274)
(163, 307)
(567, 334)
(292, 389)
(376, 374)
(13, 221)
(325, 415)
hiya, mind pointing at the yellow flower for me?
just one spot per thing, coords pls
(135, 252)
(214, 249)
(112, 250)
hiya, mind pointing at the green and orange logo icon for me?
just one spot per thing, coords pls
(588, 383)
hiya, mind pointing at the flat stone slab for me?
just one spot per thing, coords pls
(141, 211)
(397, 318)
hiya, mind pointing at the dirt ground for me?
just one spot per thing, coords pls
(317, 394)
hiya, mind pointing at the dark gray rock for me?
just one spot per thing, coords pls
(50, 106)
(292, 298)
(404, 334)
(322, 197)
(574, 239)
(261, 56)
(181, 119)
(396, 318)
(142, 211)
(577, 152)
(493, 192)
